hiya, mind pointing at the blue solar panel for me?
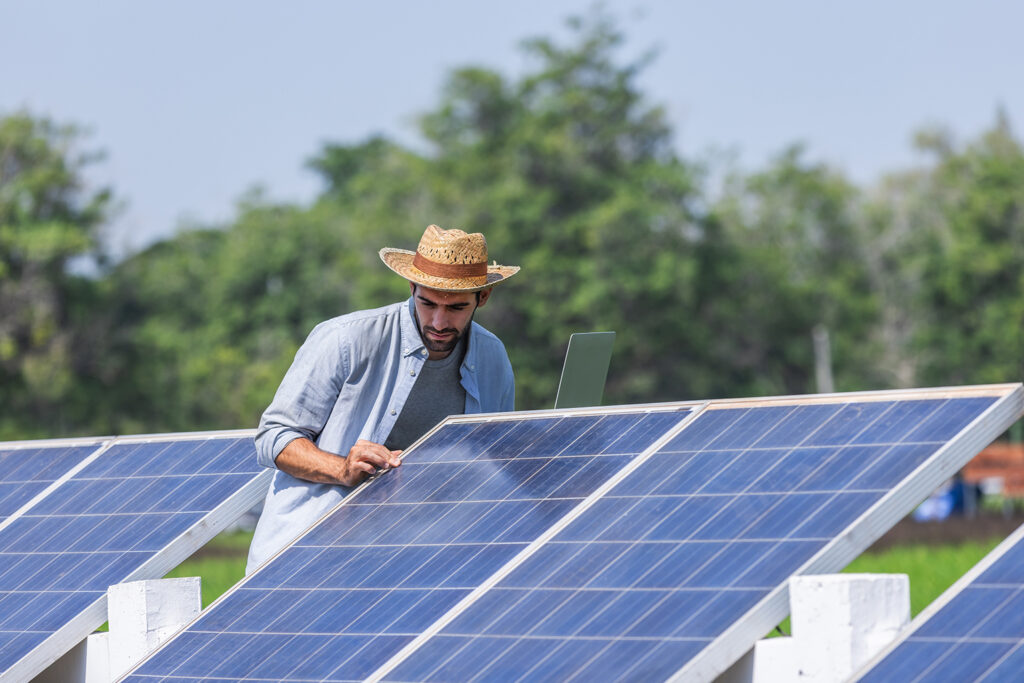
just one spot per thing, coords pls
(100, 526)
(26, 472)
(603, 544)
(408, 547)
(687, 544)
(973, 632)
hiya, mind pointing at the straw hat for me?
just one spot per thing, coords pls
(448, 260)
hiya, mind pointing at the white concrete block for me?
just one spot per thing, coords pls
(740, 672)
(841, 620)
(143, 614)
(97, 658)
(776, 659)
(772, 660)
(87, 662)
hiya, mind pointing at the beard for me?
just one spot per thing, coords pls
(440, 346)
(444, 346)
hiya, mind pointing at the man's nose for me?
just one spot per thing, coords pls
(439, 320)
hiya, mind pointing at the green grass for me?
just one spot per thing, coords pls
(221, 564)
(932, 569)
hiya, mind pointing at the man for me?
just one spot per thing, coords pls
(366, 385)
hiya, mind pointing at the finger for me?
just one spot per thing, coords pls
(361, 470)
(362, 466)
(383, 458)
(389, 456)
(364, 445)
(372, 457)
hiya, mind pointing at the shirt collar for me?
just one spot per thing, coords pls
(412, 343)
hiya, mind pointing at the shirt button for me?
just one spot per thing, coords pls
(412, 372)
(393, 411)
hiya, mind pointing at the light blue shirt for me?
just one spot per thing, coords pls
(349, 381)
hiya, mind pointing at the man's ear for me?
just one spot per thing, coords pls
(412, 288)
(485, 294)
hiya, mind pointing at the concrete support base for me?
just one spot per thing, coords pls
(839, 621)
(87, 662)
(141, 615)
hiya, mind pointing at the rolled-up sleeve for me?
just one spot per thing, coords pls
(307, 394)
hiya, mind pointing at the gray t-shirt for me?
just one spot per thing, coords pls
(436, 394)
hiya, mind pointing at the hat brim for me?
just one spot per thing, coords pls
(400, 261)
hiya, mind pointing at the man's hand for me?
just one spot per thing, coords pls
(301, 458)
(365, 459)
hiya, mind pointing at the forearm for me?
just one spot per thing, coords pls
(302, 459)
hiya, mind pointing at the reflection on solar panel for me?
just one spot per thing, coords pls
(972, 632)
(542, 547)
(26, 470)
(133, 512)
(718, 518)
(409, 546)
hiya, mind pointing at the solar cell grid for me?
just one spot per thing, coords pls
(27, 472)
(579, 544)
(408, 547)
(973, 632)
(103, 525)
(688, 543)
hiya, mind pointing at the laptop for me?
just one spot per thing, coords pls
(585, 370)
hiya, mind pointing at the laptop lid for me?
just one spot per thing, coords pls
(585, 370)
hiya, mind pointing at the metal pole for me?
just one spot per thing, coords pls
(822, 360)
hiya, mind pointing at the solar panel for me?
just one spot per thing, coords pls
(133, 512)
(671, 560)
(409, 546)
(28, 469)
(972, 632)
(642, 583)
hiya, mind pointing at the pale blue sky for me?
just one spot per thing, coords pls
(195, 102)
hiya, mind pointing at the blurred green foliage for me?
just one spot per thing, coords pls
(47, 218)
(713, 277)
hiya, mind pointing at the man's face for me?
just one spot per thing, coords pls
(444, 317)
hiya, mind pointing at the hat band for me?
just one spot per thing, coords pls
(452, 271)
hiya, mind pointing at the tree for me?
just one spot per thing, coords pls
(972, 295)
(48, 217)
(798, 260)
(572, 174)
(207, 322)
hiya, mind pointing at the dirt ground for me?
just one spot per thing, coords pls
(950, 531)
